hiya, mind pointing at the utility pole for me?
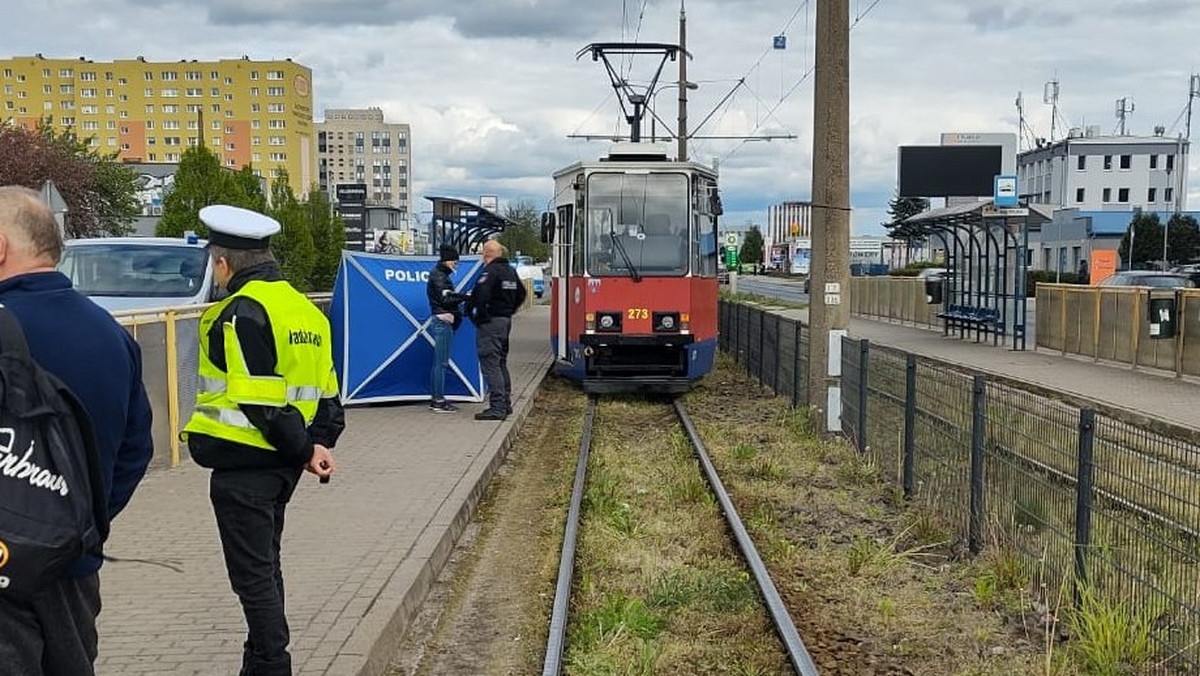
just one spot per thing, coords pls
(829, 309)
(683, 81)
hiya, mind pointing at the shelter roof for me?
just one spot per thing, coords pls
(464, 223)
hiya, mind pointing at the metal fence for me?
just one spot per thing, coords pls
(170, 342)
(771, 347)
(1092, 497)
(1113, 324)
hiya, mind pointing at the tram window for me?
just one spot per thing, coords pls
(637, 222)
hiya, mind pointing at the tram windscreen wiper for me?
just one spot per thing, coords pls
(637, 277)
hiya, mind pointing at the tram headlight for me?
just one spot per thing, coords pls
(666, 322)
(609, 322)
(606, 321)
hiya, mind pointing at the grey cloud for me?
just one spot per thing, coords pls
(472, 18)
(994, 17)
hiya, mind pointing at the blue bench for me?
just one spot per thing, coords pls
(975, 316)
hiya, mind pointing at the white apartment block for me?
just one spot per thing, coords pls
(787, 222)
(357, 146)
(1106, 173)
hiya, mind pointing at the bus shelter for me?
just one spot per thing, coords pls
(983, 292)
(462, 224)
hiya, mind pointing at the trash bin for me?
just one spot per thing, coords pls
(933, 289)
(1162, 317)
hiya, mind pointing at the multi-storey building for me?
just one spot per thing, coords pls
(357, 146)
(256, 113)
(787, 223)
(1106, 173)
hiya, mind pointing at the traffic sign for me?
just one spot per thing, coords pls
(731, 239)
(992, 211)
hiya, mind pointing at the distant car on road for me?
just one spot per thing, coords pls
(140, 273)
(1151, 278)
(527, 270)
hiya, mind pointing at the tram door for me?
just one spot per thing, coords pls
(562, 270)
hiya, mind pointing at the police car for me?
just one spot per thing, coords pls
(527, 270)
(140, 273)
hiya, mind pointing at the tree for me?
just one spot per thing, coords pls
(199, 182)
(1147, 234)
(901, 208)
(1183, 238)
(328, 236)
(524, 234)
(293, 246)
(247, 190)
(99, 191)
(752, 246)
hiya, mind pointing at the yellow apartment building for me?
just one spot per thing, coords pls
(248, 112)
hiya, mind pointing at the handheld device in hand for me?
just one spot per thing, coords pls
(324, 465)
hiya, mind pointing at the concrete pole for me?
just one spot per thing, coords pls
(829, 312)
(682, 131)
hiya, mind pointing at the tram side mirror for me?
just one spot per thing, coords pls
(548, 225)
(933, 289)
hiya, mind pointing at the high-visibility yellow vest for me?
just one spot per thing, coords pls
(304, 371)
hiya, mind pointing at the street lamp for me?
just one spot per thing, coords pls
(654, 107)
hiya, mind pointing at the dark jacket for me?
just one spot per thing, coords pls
(442, 296)
(498, 292)
(80, 342)
(283, 427)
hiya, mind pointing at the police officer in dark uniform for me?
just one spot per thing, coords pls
(497, 296)
(267, 410)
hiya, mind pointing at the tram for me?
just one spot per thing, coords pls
(634, 254)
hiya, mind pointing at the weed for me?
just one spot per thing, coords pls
(926, 528)
(887, 612)
(615, 617)
(743, 451)
(1030, 511)
(766, 469)
(858, 470)
(604, 502)
(868, 553)
(690, 489)
(1110, 638)
(726, 591)
(672, 589)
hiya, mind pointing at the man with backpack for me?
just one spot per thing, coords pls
(53, 631)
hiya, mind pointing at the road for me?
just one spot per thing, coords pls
(793, 291)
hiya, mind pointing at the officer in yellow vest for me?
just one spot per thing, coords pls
(267, 409)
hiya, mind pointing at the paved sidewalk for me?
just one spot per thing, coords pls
(1146, 392)
(359, 553)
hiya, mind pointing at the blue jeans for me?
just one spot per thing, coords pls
(442, 334)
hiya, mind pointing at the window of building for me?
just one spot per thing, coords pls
(88, 93)
(1079, 195)
(172, 141)
(228, 80)
(1170, 163)
(170, 108)
(1154, 161)
(20, 78)
(278, 140)
(67, 105)
(1126, 161)
(192, 92)
(276, 107)
(149, 124)
(153, 156)
(274, 91)
(21, 94)
(195, 75)
(8, 72)
(256, 157)
(170, 124)
(228, 129)
(216, 125)
(279, 157)
(124, 115)
(88, 76)
(216, 142)
(274, 74)
(110, 125)
(149, 76)
(90, 125)
(169, 76)
(47, 89)
(193, 125)
(255, 124)
(229, 113)
(254, 91)
(170, 93)
(111, 142)
(108, 93)
(149, 108)
(91, 110)
(216, 75)
(1151, 193)
(122, 81)
(68, 121)
(9, 105)
(254, 75)
(276, 124)
(1168, 195)
(151, 141)
(229, 146)
(1108, 162)
(229, 97)
(1123, 195)
(216, 107)
(108, 75)
(217, 92)
(256, 140)
(255, 108)
(66, 72)
(195, 107)
(1107, 195)
(66, 89)
(193, 141)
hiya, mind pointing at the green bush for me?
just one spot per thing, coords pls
(1036, 277)
(913, 269)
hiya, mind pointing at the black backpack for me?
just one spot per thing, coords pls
(53, 507)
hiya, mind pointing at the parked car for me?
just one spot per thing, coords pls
(140, 273)
(1151, 278)
(527, 270)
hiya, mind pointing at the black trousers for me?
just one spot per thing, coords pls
(249, 505)
(53, 634)
(491, 342)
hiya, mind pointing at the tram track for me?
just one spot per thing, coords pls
(785, 628)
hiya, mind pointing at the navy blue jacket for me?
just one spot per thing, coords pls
(80, 342)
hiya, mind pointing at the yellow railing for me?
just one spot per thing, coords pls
(897, 299)
(1112, 323)
(169, 340)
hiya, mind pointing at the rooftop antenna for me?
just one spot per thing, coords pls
(635, 95)
(1050, 98)
(1124, 109)
(1193, 93)
(1024, 132)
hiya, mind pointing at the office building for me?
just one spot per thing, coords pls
(787, 223)
(1090, 172)
(256, 113)
(357, 146)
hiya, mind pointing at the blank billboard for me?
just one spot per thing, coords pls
(949, 171)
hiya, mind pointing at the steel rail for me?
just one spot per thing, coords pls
(557, 639)
(801, 661)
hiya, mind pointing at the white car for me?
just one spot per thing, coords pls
(140, 273)
(526, 269)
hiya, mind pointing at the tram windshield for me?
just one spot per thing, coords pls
(637, 224)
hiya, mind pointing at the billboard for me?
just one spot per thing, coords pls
(949, 171)
(351, 201)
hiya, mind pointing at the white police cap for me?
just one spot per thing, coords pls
(237, 228)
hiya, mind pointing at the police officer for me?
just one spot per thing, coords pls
(497, 295)
(267, 410)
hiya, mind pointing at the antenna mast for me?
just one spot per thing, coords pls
(682, 134)
(1124, 108)
(1193, 93)
(1021, 126)
(1050, 97)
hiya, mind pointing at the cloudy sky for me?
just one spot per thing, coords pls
(492, 88)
